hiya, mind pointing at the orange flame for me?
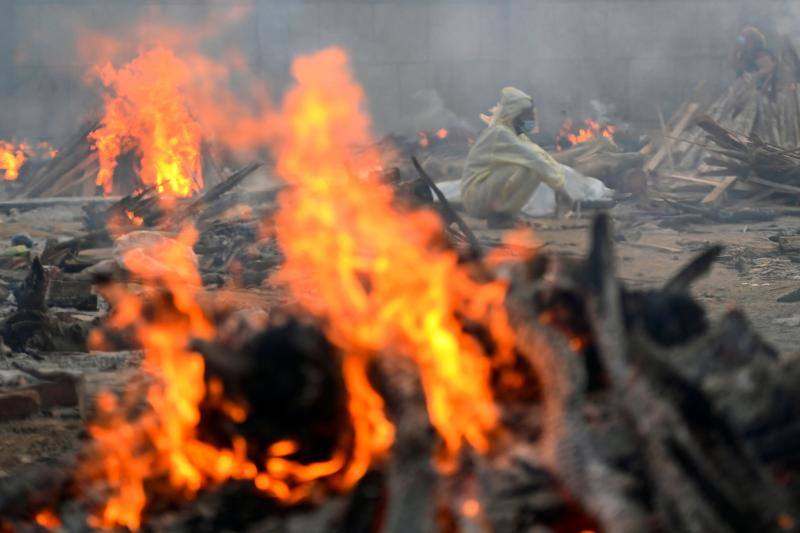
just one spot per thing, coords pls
(161, 446)
(11, 160)
(47, 519)
(380, 276)
(590, 130)
(146, 110)
(424, 141)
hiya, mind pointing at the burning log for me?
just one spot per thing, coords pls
(601, 158)
(627, 417)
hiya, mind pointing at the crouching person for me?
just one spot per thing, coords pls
(504, 166)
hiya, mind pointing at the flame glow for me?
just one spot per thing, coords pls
(47, 519)
(160, 448)
(588, 131)
(383, 278)
(380, 276)
(146, 110)
(12, 157)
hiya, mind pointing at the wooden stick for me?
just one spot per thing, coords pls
(719, 190)
(667, 143)
(774, 185)
(656, 160)
(692, 179)
(656, 247)
(448, 209)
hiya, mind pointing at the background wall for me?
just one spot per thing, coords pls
(414, 57)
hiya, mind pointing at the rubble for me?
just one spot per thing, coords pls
(346, 351)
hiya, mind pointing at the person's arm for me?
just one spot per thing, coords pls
(508, 148)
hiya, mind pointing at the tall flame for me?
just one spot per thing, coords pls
(146, 109)
(382, 277)
(12, 157)
(379, 275)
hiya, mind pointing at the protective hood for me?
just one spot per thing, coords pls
(512, 103)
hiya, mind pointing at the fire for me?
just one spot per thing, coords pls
(161, 447)
(425, 138)
(12, 157)
(147, 110)
(134, 218)
(380, 276)
(47, 519)
(471, 508)
(590, 130)
(424, 141)
(47, 149)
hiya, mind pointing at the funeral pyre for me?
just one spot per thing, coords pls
(407, 383)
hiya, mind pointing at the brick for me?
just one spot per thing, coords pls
(55, 394)
(15, 405)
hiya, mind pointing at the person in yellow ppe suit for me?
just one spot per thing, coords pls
(504, 167)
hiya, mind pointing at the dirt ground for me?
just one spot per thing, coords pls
(751, 274)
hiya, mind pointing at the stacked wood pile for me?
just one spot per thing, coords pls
(769, 109)
(765, 167)
(73, 171)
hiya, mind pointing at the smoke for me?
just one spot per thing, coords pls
(423, 65)
(431, 114)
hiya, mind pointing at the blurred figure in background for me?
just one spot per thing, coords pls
(751, 57)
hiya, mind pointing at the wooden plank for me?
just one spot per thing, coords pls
(719, 190)
(665, 135)
(34, 203)
(656, 247)
(656, 160)
(782, 187)
(692, 179)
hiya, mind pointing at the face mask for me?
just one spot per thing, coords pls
(526, 126)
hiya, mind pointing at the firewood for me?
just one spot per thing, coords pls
(450, 215)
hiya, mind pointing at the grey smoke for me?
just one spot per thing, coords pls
(629, 54)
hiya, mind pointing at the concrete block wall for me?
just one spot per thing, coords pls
(631, 54)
